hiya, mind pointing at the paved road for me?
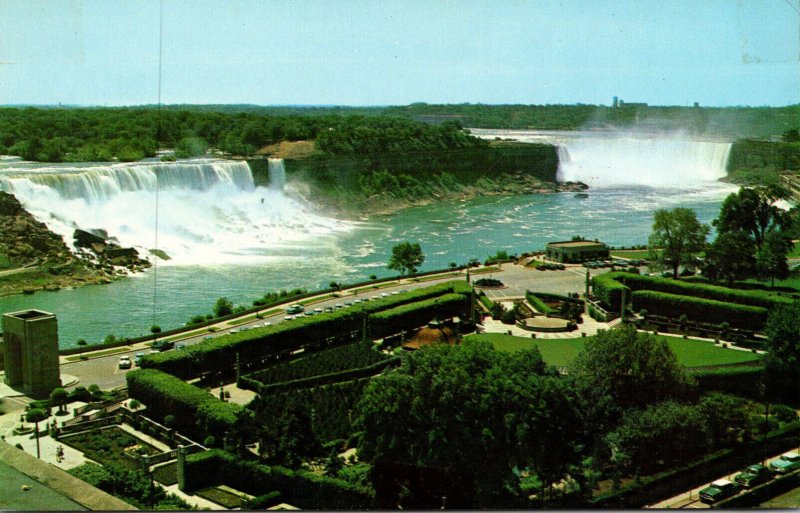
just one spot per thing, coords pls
(691, 499)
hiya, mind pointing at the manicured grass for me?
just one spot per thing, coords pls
(221, 497)
(435, 277)
(316, 299)
(123, 349)
(484, 270)
(635, 254)
(795, 252)
(107, 445)
(561, 352)
(377, 286)
(242, 320)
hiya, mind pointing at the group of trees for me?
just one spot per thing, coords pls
(754, 237)
(129, 134)
(470, 414)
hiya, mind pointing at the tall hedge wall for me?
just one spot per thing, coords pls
(413, 315)
(687, 288)
(608, 290)
(298, 487)
(195, 410)
(220, 352)
(707, 310)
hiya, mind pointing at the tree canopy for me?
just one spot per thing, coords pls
(472, 410)
(406, 257)
(679, 234)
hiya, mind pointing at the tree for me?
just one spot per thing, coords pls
(155, 329)
(505, 408)
(679, 234)
(771, 257)
(730, 257)
(782, 362)
(621, 369)
(59, 397)
(792, 135)
(223, 307)
(36, 415)
(406, 257)
(754, 211)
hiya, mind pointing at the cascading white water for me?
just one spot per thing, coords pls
(613, 159)
(209, 211)
(277, 174)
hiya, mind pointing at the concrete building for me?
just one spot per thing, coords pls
(31, 352)
(572, 251)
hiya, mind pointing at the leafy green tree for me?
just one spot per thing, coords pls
(783, 357)
(771, 257)
(223, 307)
(666, 432)
(406, 257)
(155, 329)
(791, 135)
(679, 234)
(622, 368)
(504, 408)
(59, 398)
(754, 211)
(724, 418)
(730, 257)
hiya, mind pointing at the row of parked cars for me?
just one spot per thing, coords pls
(615, 262)
(753, 475)
(158, 346)
(297, 310)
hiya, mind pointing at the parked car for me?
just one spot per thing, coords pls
(179, 346)
(787, 462)
(163, 345)
(318, 311)
(137, 359)
(125, 362)
(207, 337)
(234, 331)
(752, 476)
(718, 490)
(295, 309)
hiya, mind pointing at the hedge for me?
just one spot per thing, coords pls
(732, 380)
(709, 310)
(252, 345)
(298, 487)
(252, 383)
(685, 288)
(537, 303)
(413, 315)
(195, 410)
(608, 290)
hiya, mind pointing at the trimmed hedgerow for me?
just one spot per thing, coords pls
(298, 487)
(608, 290)
(194, 409)
(537, 303)
(412, 315)
(708, 310)
(684, 288)
(322, 379)
(252, 345)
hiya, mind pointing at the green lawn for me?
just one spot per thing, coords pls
(795, 252)
(691, 353)
(636, 254)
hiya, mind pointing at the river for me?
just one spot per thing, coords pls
(230, 238)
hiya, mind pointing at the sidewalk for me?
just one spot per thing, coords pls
(589, 326)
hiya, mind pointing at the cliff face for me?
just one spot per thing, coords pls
(381, 183)
(34, 258)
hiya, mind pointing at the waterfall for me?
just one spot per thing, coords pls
(629, 158)
(654, 161)
(277, 174)
(209, 211)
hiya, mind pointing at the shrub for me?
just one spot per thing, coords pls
(784, 413)
(488, 282)
(608, 290)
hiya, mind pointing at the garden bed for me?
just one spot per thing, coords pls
(107, 446)
(222, 497)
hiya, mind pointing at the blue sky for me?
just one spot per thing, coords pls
(665, 52)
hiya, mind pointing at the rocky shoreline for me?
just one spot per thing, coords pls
(33, 258)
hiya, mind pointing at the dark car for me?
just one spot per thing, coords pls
(718, 490)
(163, 345)
(753, 475)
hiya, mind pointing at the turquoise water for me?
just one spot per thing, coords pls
(447, 232)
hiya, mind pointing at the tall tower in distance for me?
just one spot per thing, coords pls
(615, 102)
(31, 352)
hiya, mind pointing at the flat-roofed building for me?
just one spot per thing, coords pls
(576, 251)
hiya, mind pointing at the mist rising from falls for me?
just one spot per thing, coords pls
(209, 211)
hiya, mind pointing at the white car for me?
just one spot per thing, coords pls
(125, 362)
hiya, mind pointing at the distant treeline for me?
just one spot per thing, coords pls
(129, 134)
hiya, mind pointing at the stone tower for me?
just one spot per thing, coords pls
(31, 352)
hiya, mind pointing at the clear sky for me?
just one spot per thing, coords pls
(394, 52)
